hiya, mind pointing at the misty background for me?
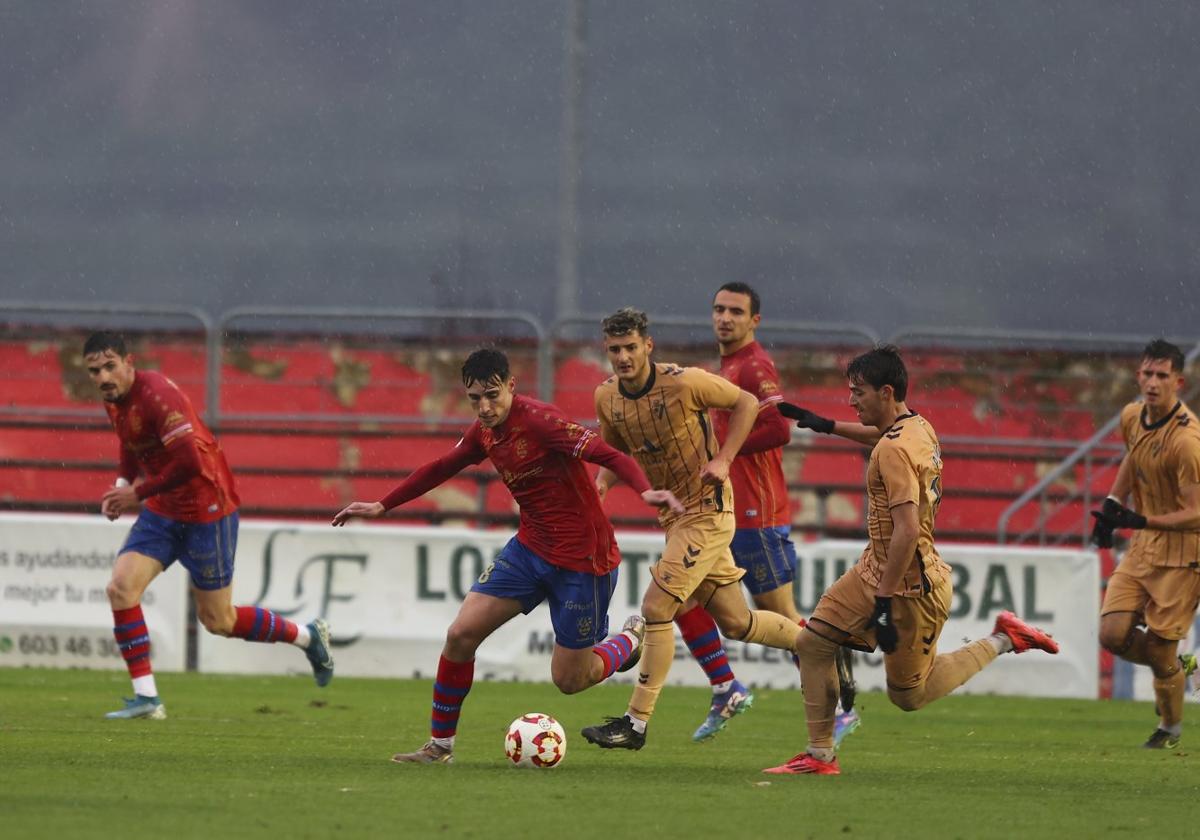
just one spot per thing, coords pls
(1017, 165)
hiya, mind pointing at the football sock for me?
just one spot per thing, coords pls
(773, 630)
(449, 691)
(658, 650)
(303, 637)
(613, 653)
(699, 632)
(254, 624)
(949, 671)
(1001, 642)
(1169, 691)
(129, 629)
(819, 681)
(722, 688)
(825, 754)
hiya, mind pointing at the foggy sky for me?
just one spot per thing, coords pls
(1018, 165)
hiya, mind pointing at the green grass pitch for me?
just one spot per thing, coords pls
(259, 756)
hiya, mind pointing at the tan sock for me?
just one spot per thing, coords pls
(1169, 693)
(949, 671)
(819, 680)
(658, 651)
(773, 630)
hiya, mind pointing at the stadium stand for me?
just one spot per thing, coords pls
(310, 424)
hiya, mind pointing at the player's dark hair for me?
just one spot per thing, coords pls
(98, 342)
(484, 366)
(880, 366)
(1161, 350)
(626, 321)
(740, 288)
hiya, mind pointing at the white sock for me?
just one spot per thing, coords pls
(721, 688)
(820, 754)
(444, 743)
(303, 637)
(1001, 643)
(1175, 730)
(144, 686)
(639, 725)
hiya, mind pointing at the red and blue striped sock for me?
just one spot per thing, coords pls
(699, 631)
(449, 691)
(129, 629)
(613, 653)
(254, 624)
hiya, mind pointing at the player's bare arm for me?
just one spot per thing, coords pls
(118, 500)
(903, 545)
(805, 419)
(605, 479)
(741, 420)
(358, 510)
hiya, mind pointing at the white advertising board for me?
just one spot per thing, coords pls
(53, 608)
(389, 594)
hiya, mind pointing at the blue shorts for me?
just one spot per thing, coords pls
(205, 549)
(767, 555)
(578, 600)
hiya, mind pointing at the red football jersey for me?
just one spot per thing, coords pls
(538, 451)
(151, 419)
(760, 498)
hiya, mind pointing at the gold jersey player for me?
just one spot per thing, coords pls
(761, 544)
(897, 596)
(658, 413)
(1157, 583)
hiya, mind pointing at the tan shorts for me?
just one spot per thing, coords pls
(697, 559)
(848, 604)
(1163, 597)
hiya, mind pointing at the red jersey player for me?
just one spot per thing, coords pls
(761, 544)
(564, 551)
(171, 462)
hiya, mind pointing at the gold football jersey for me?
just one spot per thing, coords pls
(1165, 458)
(905, 466)
(666, 427)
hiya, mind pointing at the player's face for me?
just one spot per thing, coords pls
(732, 321)
(629, 356)
(492, 400)
(868, 402)
(1159, 384)
(111, 373)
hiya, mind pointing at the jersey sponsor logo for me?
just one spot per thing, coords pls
(511, 478)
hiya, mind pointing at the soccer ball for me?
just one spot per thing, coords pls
(535, 740)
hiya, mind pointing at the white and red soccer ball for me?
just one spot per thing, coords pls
(535, 740)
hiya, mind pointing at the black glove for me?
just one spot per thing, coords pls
(881, 623)
(1102, 532)
(805, 419)
(1115, 515)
